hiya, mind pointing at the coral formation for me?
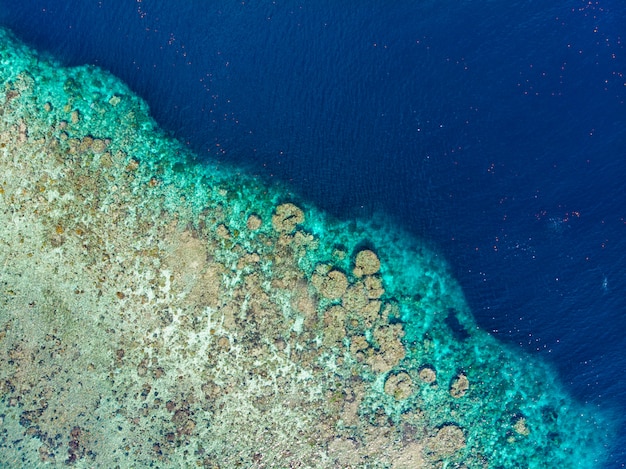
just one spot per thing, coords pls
(428, 375)
(448, 440)
(459, 386)
(287, 217)
(366, 263)
(399, 385)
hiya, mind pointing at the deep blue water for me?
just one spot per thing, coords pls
(494, 130)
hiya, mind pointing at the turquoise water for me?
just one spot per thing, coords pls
(511, 407)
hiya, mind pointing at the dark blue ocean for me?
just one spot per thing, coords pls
(495, 131)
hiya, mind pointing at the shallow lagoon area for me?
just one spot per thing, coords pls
(158, 312)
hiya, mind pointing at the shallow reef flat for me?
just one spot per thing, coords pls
(158, 312)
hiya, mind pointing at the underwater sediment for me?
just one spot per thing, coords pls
(158, 312)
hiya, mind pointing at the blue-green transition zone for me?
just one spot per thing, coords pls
(155, 312)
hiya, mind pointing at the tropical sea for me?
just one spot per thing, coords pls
(495, 132)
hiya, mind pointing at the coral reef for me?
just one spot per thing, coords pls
(151, 315)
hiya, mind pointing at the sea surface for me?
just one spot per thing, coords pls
(495, 131)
